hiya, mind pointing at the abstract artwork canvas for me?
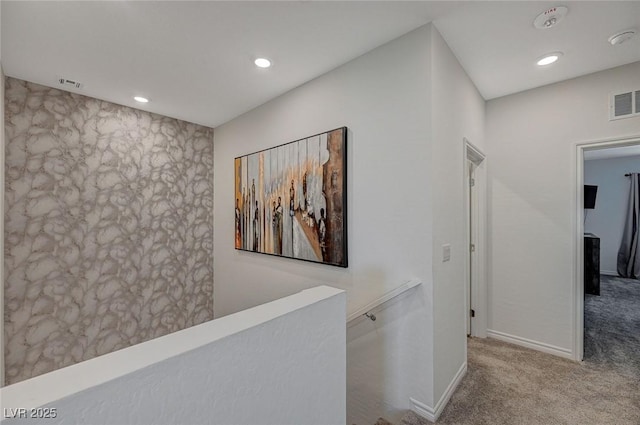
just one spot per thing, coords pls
(290, 200)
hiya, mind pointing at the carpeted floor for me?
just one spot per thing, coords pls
(511, 385)
(507, 384)
(612, 325)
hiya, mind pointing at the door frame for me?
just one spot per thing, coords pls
(476, 288)
(578, 232)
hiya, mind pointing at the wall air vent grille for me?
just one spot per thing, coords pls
(624, 105)
(67, 83)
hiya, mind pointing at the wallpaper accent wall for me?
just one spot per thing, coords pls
(108, 227)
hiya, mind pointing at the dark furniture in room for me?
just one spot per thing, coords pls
(591, 264)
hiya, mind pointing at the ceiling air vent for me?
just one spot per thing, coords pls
(66, 83)
(624, 105)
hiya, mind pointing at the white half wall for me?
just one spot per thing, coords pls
(281, 363)
(383, 99)
(607, 219)
(457, 113)
(531, 142)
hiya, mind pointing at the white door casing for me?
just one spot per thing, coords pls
(578, 247)
(475, 205)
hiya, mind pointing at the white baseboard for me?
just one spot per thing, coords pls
(529, 343)
(423, 410)
(609, 272)
(432, 414)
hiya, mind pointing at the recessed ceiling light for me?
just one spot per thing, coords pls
(622, 36)
(141, 99)
(549, 58)
(262, 63)
(550, 17)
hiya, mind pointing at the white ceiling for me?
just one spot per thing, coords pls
(194, 59)
(498, 45)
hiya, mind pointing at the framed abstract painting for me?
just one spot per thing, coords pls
(291, 200)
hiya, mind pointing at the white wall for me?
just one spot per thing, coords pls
(281, 363)
(383, 358)
(383, 99)
(607, 219)
(530, 139)
(458, 112)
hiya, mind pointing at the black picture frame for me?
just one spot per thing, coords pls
(291, 200)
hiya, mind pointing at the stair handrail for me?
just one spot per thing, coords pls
(366, 310)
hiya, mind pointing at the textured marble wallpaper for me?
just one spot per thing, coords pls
(108, 227)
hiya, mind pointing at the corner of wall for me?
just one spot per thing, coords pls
(458, 113)
(381, 96)
(433, 413)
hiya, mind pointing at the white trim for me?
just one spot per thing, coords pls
(609, 273)
(432, 414)
(530, 343)
(468, 320)
(479, 287)
(577, 291)
(472, 152)
(422, 410)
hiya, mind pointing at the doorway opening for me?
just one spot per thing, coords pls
(475, 207)
(601, 295)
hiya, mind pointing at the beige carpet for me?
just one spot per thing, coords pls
(510, 385)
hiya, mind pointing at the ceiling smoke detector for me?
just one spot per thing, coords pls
(622, 36)
(550, 17)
